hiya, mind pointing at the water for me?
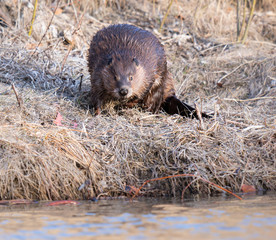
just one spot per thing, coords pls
(216, 218)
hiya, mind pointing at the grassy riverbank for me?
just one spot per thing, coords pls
(78, 156)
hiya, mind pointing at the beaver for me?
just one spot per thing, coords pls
(128, 64)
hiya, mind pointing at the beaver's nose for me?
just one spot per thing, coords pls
(123, 92)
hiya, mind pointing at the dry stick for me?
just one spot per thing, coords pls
(19, 101)
(198, 112)
(18, 23)
(248, 100)
(220, 82)
(241, 27)
(249, 21)
(33, 18)
(184, 175)
(182, 195)
(71, 45)
(45, 31)
(238, 19)
(65, 58)
(243, 19)
(16, 202)
(245, 168)
(75, 11)
(5, 18)
(80, 83)
(237, 123)
(166, 15)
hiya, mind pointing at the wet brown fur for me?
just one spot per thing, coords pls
(127, 58)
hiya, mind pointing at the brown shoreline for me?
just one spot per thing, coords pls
(104, 154)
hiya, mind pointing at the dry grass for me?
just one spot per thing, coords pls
(103, 154)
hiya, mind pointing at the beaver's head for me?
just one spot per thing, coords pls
(123, 75)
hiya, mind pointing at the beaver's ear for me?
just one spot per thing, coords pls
(136, 61)
(109, 60)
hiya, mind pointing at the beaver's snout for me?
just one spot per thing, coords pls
(123, 91)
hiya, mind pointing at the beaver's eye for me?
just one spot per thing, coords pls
(130, 78)
(136, 61)
(109, 61)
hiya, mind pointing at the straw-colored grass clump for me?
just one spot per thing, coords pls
(81, 156)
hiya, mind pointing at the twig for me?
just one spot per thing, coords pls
(198, 113)
(49, 24)
(263, 42)
(182, 195)
(184, 175)
(247, 100)
(225, 45)
(5, 18)
(238, 19)
(241, 27)
(166, 15)
(237, 123)
(33, 18)
(18, 23)
(72, 44)
(80, 83)
(248, 22)
(67, 54)
(243, 19)
(75, 11)
(19, 100)
(153, 7)
(220, 82)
